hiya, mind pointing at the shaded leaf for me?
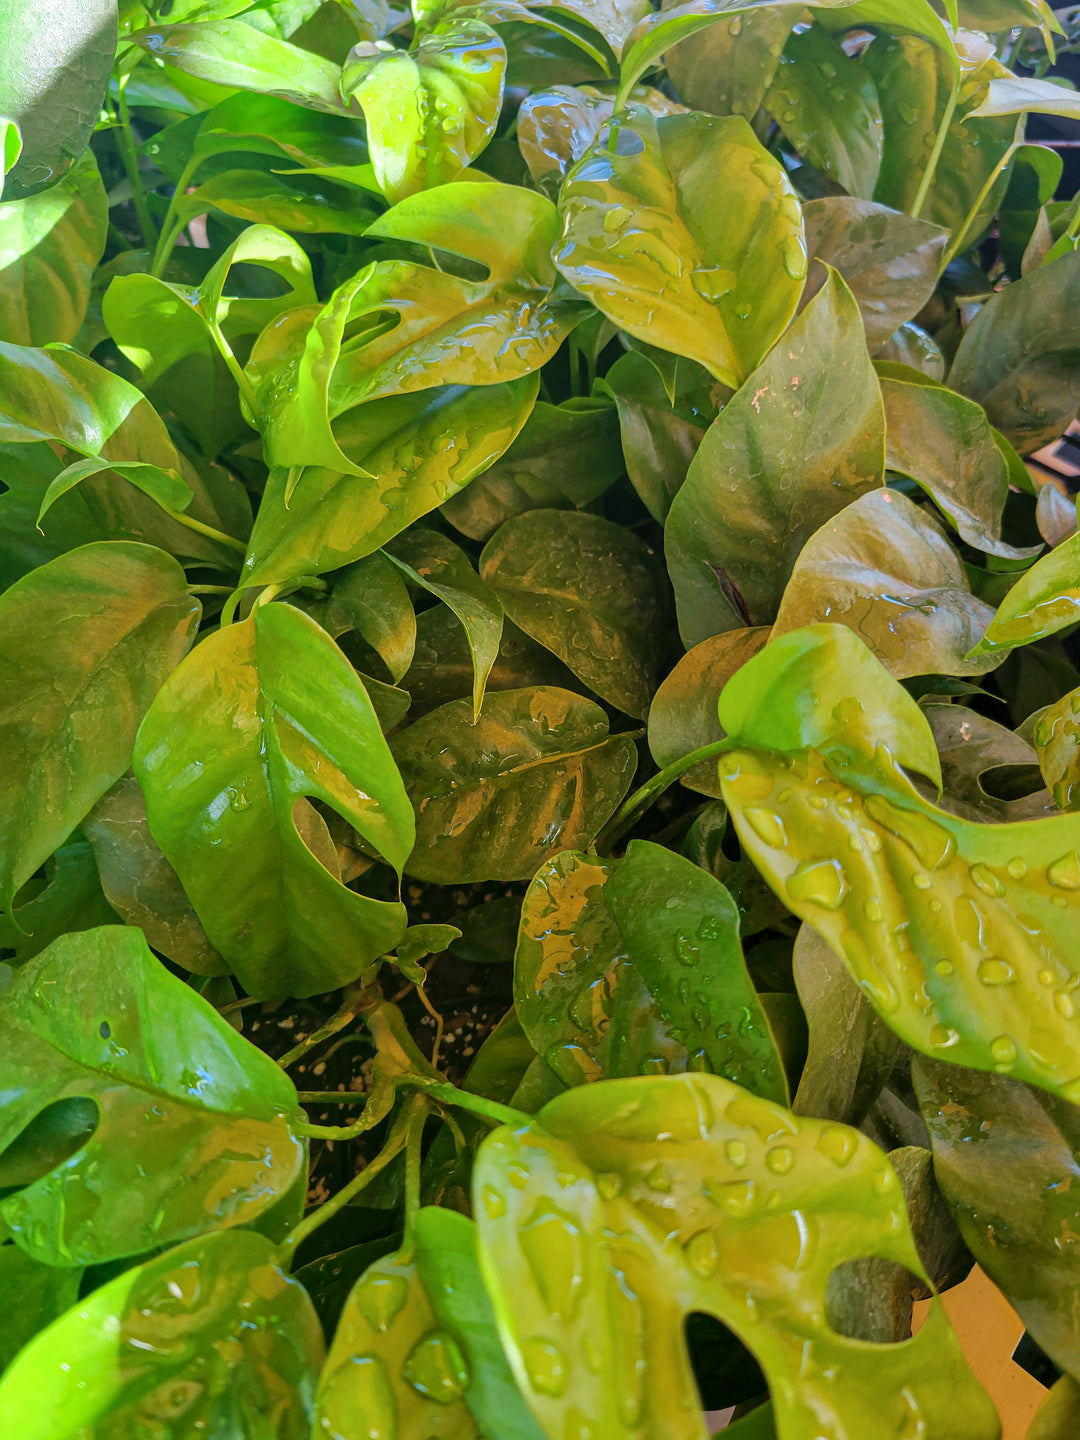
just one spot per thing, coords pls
(443, 667)
(140, 1052)
(372, 598)
(977, 757)
(911, 346)
(66, 899)
(804, 437)
(262, 716)
(33, 1295)
(589, 591)
(1059, 1414)
(1057, 741)
(537, 772)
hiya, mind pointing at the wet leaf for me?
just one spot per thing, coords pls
(912, 347)
(204, 1336)
(849, 843)
(888, 260)
(675, 260)
(589, 591)
(263, 716)
(430, 111)
(1043, 601)
(443, 668)
(977, 755)
(729, 69)
(96, 1025)
(1016, 94)
(801, 439)
(1057, 741)
(883, 568)
(683, 1193)
(538, 772)
(371, 598)
(74, 696)
(33, 1296)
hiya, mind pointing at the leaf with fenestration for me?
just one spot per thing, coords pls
(98, 1031)
(429, 111)
(826, 813)
(671, 256)
(207, 1336)
(536, 773)
(624, 1206)
(1043, 601)
(264, 716)
(1057, 740)
(588, 590)
(803, 438)
(889, 261)
(883, 568)
(74, 695)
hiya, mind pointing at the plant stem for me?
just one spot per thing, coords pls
(413, 1156)
(631, 808)
(247, 390)
(210, 589)
(935, 153)
(201, 529)
(444, 1092)
(346, 1011)
(957, 241)
(125, 143)
(171, 226)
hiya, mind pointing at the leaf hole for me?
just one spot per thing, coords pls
(871, 1299)
(725, 1371)
(53, 1136)
(315, 833)
(628, 142)
(1011, 782)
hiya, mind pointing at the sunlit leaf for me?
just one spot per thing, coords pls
(1043, 601)
(1015, 94)
(729, 69)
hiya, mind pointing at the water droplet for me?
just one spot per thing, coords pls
(494, 1204)
(713, 282)
(793, 252)
(686, 950)
(944, 968)
(735, 1150)
(942, 1035)
(701, 1253)
(436, 1368)
(837, 1144)
(921, 880)
(379, 1297)
(1065, 872)
(987, 881)
(780, 1159)
(736, 1197)
(710, 929)
(1063, 1004)
(734, 25)
(545, 1365)
(1017, 868)
(872, 909)
(552, 1244)
(608, 1184)
(767, 826)
(615, 218)
(658, 1179)
(931, 843)
(1004, 1051)
(822, 882)
(995, 971)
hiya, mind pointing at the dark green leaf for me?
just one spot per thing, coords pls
(1059, 1414)
(443, 667)
(372, 598)
(67, 898)
(32, 1295)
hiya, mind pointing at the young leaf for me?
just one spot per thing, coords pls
(263, 715)
(73, 695)
(1043, 601)
(537, 772)
(625, 1205)
(1020, 94)
(129, 1049)
(589, 591)
(163, 486)
(804, 437)
(883, 568)
(209, 1335)
(672, 258)
(429, 111)
(50, 245)
(1057, 741)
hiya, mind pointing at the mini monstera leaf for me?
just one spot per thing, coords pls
(963, 935)
(201, 1339)
(624, 1206)
(103, 1043)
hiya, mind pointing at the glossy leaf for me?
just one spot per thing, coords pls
(682, 1194)
(802, 438)
(372, 598)
(889, 261)
(977, 757)
(434, 563)
(1057, 741)
(671, 258)
(730, 67)
(205, 1336)
(429, 111)
(827, 106)
(883, 568)
(1018, 358)
(588, 591)
(264, 715)
(10, 148)
(1043, 601)
(165, 487)
(49, 247)
(443, 668)
(125, 1048)
(991, 989)
(33, 1296)
(538, 772)
(74, 697)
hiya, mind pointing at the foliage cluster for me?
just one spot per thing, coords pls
(529, 501)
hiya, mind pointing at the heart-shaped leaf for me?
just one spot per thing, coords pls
(372, 598)
(98, 1029)
(264, 715)
(68, 897)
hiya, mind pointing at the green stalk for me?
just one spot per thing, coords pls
(444, 1092)
(636, 804)
(247, 390)
(976, 205)
(935, 153)
(171, 226)
(125, 143)
(201, 529)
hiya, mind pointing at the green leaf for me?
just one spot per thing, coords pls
(990, 989)
(297, 200)
(1004, 1156)
(429, 111)
(538, 772)
(371, 598)
(133, 1051)
(429, 560)
(682, 716)
(409, 453)
(141, 885)
(228, 52)
(74, 694)
(443, 668)
(1016, 94)
(165, 487)
(802, 438)
(888, 261)
(566, 455)
(589, 591)
(729, 69)
(1043, 601)
(883, 568)
(706, 284)
(1059, 1414)
(1057, 741)
(972, 748)
(826, 105)
(626, 1205)
(67, 898)
(1018, 358)
(448, 1263)
(49, 247)
(209, 1335)
(945, 443)
(10, 148)
(54, 70)
(33, 1295)
(911, 347)
(262, 716)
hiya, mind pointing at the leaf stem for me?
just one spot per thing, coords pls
(956, 243)
(346, 1012)
(201, 529)
(247, 390)
(125, 143)
(441, 1091)
(645, 795)
(210, 589)
(172, 226)
(935, 154)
